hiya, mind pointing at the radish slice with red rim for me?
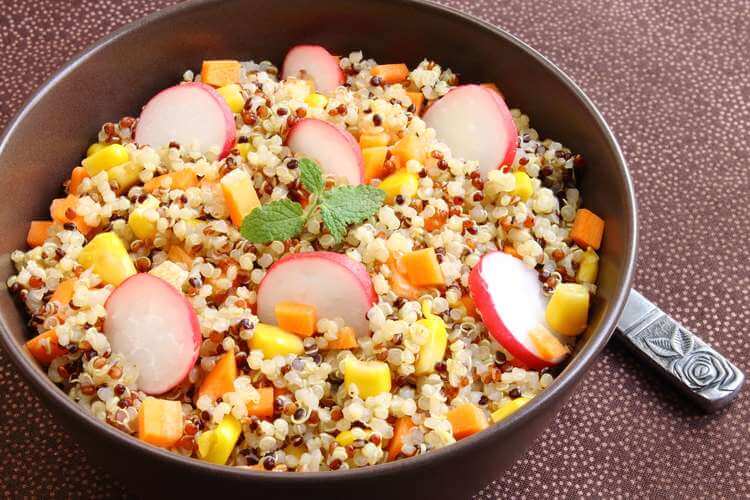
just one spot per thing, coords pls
(188, 114)
(317, 64)
(335, 284)
(333, 148)
(475, 123)
(155, 327)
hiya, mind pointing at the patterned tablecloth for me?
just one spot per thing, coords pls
(671, 77)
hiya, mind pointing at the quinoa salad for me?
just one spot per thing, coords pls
(330, 265)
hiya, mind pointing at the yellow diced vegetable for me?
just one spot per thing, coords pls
(106, 158)
(216, 445)
(345, 438)
(107, 256)
(171, 273)
(239, 194)
(402, 183)
(508, 408)
(94, 148)
(125, 175)
(244, 148)
(370, 377)
(589, 267)
(142, 220)
(274, 341)
(316, 100)
(432, 351)
(232, 93)
(568, 309)
(524, 188)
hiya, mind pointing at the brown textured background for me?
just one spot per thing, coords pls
(671, 77)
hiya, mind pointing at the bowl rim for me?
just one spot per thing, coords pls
(568, 378)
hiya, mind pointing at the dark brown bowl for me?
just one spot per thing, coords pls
(117, 75)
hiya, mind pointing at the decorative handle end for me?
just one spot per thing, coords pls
(691, 365)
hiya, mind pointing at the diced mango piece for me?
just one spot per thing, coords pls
(244, 148)
(219, 73)
(547, 345)
(180, 179)
(568, 309)
(125, 175)
(524, 187)
(64, 292)
(44, 347)
(106, 158)
(370, 377)
(239, 194)
(408, 148)
(63, 210)
(316, 100)
(400, 285)
(402, 183)
(142, 220)
(264, 407)
(38, 232)
(508, 408)
(422, 268)
(273, 341)
(374, 158)
(391, 73)
(432, 351)
(95, 148)
(171, 273)
(374, 140)
(587, 230)
(216, 445)
(220, 379)
(107, 256)
(345, 438)
(347, 339)
(588, 269)
(232, 94)
(296, 317)
(160, 422)
(466, 420)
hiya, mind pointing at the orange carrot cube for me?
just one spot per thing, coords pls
(264, 407)
(218, 73)
(466, 420)
(422, 268)
(220, 379)
(38, 232)
(391, 73)
(296, 318)
(44, 347)
(401, 429)
(347, 339)
(588, 229)
(160, 422)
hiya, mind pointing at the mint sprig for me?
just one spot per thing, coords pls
(339, 208)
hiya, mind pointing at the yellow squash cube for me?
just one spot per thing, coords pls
(433, 350)
(273, 341)
(402, 183)
(588, 269)
(106, 158)
(142, 221)
(244, 148)
(408, 148)
(239, 194)
(568, 309)
(316, 100)
(216, 445)
(107, 256)
(232, 94)
(370, 377)
(94, 148)
(508, 408)
(524, 187)
(125, 175)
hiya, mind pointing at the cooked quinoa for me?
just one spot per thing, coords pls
(459, 214)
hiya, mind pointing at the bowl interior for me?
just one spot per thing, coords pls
(116, 77)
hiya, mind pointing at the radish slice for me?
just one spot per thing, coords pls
(155, 327)
(316, 63)
(475, 124)
(190, 113)
(335, 284)
(334, 149)
(509, 296)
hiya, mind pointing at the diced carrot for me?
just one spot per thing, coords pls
(181, 179)
(177, 254)
(510, 250)
(549, 347)
(588, 229)
(435, 221)
(78, 174)
(347, 339)
(408, 148)
(374, 140)
(402, 427)
(160, 422)
(469, 306)
(220, 72)
(374, 158)
(391, 73)
(264, 408)
(417, 99)
(466, 420)
(296, 317)
(62, 208)
(44, 347)
(422, 268)
(401, 286)
(220, 379)
(38, 231)
(64, 292)
(492, 87)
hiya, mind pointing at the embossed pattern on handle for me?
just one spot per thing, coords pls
(694, 367)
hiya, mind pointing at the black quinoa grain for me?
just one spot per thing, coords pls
(269, 462)
(400, 199)
(376, 81)
(335, 464)
(119, 389)
(377, 120)
(243, 139)
(282, 111)
(500, 358)
(514, 393)
(484, 400)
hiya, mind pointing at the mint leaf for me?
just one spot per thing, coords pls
(346, 205)
(279, 220)
(310, 176)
